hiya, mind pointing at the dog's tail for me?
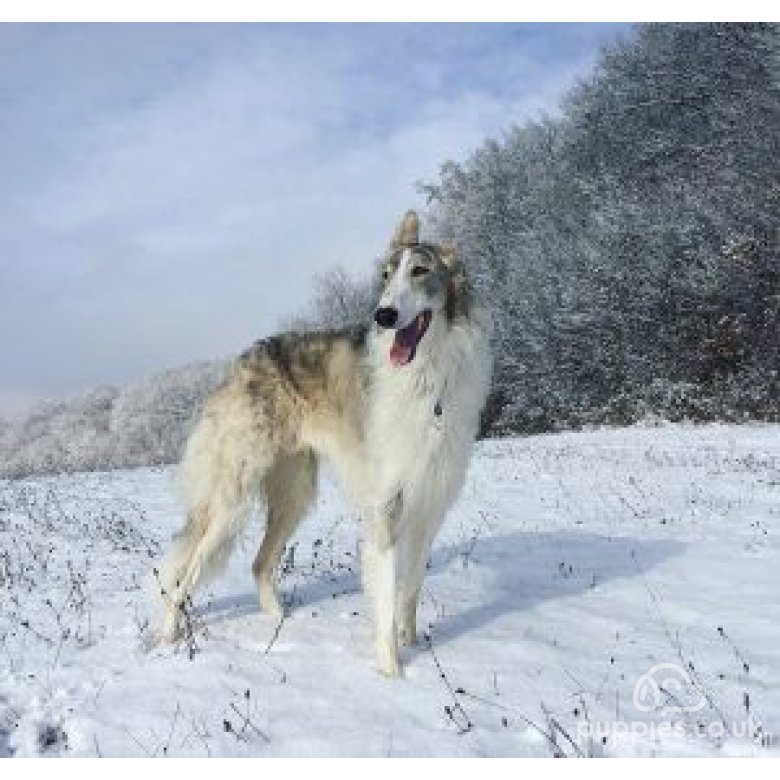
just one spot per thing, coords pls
(220, 474)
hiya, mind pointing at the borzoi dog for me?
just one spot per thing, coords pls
(394, 408)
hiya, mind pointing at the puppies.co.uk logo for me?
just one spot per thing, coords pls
(668, 691)
(667, 688)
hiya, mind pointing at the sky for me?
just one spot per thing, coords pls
(168, 192)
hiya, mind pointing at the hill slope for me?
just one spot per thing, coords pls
(611, 592)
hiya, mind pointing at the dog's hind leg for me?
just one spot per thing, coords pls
(201, 551)
(173, 569)
(221, 473)
(290, 488)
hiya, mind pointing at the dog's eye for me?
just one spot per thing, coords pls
(386, 273)
(420, 270)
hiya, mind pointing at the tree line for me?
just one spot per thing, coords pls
(628, 247)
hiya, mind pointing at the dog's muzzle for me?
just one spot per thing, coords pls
(386, 316)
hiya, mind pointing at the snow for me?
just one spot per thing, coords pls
(573, 565)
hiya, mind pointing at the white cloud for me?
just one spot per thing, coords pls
(183, 223)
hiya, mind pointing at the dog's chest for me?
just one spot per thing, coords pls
(422, 426)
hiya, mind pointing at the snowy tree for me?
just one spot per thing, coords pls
(143, 424)
(338, 300)
(630, 246)
(150, 420)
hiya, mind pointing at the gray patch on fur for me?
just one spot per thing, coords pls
(390, 518)
(298, 356)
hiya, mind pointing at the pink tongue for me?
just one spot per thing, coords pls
(400, 355)
(404, 344)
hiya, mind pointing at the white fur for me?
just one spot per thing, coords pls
(401, 451)
(408, 300)
(420, 455)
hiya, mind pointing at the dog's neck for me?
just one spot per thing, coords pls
(444, 354)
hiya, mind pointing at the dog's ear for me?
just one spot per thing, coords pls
(457, 289)
(408, 231)
(448, 255)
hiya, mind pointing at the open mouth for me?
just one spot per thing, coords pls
(406, 339)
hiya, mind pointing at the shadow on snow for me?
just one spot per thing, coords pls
(513, 572)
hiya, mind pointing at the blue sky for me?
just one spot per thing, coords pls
(168, 191)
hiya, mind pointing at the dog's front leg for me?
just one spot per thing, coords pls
(414, 550)
(381, 569)
(385, 611)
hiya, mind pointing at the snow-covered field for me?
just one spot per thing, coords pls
(603, 593)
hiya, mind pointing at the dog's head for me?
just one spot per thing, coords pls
(419, 282)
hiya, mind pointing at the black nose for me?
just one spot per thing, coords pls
(386, 316)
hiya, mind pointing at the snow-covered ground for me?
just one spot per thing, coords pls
(604, 593)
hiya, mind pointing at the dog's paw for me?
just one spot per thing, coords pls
(269, 603)
(156, 640)
(168, 633)
(392, 670)
(388, 664)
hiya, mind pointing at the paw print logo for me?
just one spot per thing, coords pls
(667, 688)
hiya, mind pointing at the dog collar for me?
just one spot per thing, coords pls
(437, 407)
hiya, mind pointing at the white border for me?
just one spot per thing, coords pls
(379, 769)
(399, 10)
(365, 11)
